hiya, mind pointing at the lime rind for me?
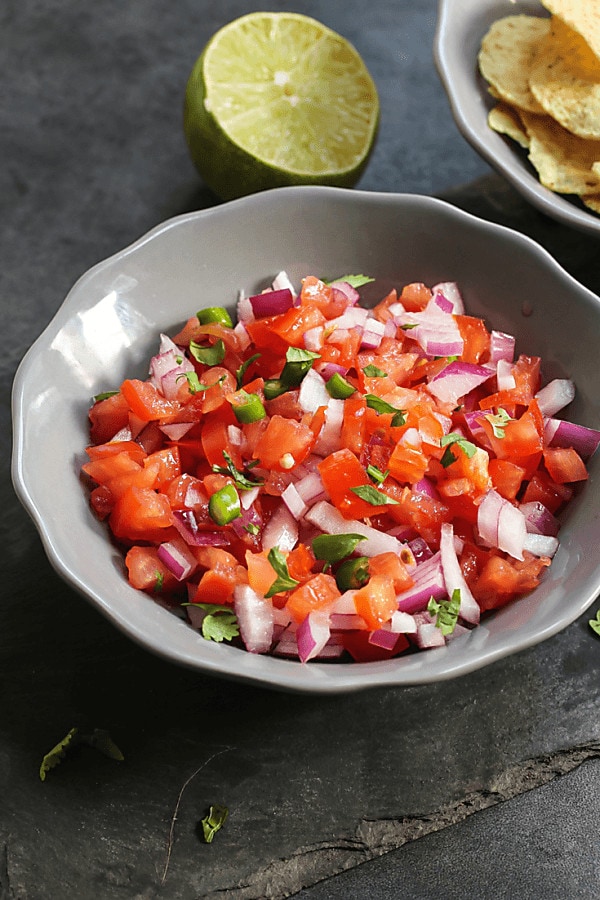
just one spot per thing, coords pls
(277, 99)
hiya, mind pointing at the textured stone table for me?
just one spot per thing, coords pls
(483, 787)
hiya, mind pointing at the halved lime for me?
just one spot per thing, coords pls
(277, 99)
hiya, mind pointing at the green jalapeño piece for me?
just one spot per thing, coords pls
(224, 505)
(352, 573)
(339, 388)
(214, 314)
(247, 407)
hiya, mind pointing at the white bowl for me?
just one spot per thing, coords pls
(107, 329)
(461, 26)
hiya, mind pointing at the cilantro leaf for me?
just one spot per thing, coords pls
(193, 382)
(595, 623)
(219, 625)
(334, 547)
(242, 481)
(445, 612)
(455, 439)
(209, 354)
(104, 396)
(99, 739)
(213, 822)
(370, 493)
(382, 406)
(283, 581)
(498, 422)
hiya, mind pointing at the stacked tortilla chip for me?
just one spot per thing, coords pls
(545, 75)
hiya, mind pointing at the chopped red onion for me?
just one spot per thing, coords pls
(539, 519)
(344, 605)
(558, 433)
(457, 379)
(454, 578)
(294, 501)
(329, 438)
(428, 582)
(244, 310)
(383, 637)
(372, 334)
(255, 618)
(310, 487)
(346, 622)
(442, 302)
(282, 282)
(249, 518)
(420, 549)
(312, 635)
(178, 559)
(176, 431)
(241, 332)
(271, 303)
(313, 339)
(347, 290)
(488, 514)
(187, 526)
(502, 525)
(504, 375)
(502, 346)
(451, 292)
(328, 369)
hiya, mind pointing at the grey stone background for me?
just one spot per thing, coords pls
(484, 787)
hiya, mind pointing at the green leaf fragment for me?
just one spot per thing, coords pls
(213, 822)
(335, 547)
(284, 581)
(455, 440)
(372, 371)
(354, 281)
(99, 739)
(383, 407)
(219, 624)
(376, 474)
(239, 373)
(595, 623)
(445, 612)
(370, 493)
(208, 354)
(498, 422)
(242, 481)
(104, 396)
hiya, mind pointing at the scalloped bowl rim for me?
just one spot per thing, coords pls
(158, 630)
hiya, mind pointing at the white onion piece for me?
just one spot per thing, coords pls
(488, 514)
(313, 393)
(403, 623)
(281, 531)
(255, 618)
(504, 375)
(242, 335)
(175, 431)
(454, 578)
(124, 434)
(294, 501)
(373, 333)
(326, 517)
(541, 544)
(345, 605)
(313, 339)
(512, 530)
(244, 310)
(247, 498)
(310, 487)
(282, 281)
(346, 621)
(555, 395)
(329, 438)
(429, 636)
(312, 635)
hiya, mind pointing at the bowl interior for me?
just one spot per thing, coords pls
(108, 328)
(460, 29)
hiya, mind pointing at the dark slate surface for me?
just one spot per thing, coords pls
(486, 770)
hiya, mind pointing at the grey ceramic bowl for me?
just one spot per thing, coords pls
(107, 329)
(461, 26)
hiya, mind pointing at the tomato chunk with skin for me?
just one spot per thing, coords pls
(318, 593)
(376, 601)
(284, 444)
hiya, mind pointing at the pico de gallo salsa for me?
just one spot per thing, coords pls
(321, 480)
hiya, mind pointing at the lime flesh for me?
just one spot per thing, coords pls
(278, 99)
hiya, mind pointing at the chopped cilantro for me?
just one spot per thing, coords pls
(219, 623)
(99, 739)
(451, 440)
(242, 481)
(283, 581)
(159, 581)
(372, 371)
(239, 373)
(376, 474)
(213, 822)
(354, 281)
(382, 406)
(595, 623)
(445, 612)
(104, 396)
(370, 493)
(335, 547)
(209, 354)
(498, 422)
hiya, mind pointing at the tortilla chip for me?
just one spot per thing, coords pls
(583, 16)
(565, 163)
(565, 80)
(505, 120)
(506, 57)
(592, 201)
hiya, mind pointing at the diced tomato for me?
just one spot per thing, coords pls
(146, 402)
(147, 572)
(507, 477)
(376, 601)
(107, 417)
(283, 441)
(140, 514)
(292, 325)
(318, 593)
(501, 580)
(215, 440)
(353, 425)
(407, 464)
(415, 296)
(543, 489)
(100, 451)
(475, 336)
(300, 562)
(564, 465)
(222, 574)
(390, 565)
(361, 650)
(341, 472)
